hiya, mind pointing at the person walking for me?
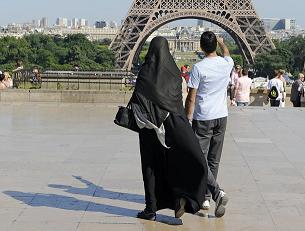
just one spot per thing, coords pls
(236, 73)
(275, 91)
(243, 89)
(174, 170)
(297, 90)
(282, 78)
(3, 85)
(206, 104)
(8, 79)
(185, 75)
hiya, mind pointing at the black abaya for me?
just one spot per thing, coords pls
(187, 168)
(179, 171)
(173, 173)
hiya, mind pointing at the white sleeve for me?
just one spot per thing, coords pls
(194, 78)
(230, 61)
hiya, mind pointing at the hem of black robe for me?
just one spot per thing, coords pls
(191, 206)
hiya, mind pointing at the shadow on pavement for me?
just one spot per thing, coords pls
(74, 204)
(98, 191)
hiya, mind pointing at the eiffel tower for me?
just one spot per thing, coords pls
(237, 17)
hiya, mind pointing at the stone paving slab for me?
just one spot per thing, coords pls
(68, 167)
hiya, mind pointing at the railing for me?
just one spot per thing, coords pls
(75, 80)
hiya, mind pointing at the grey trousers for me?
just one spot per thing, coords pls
(211, 138)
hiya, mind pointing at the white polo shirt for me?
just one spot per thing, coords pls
(211, 77)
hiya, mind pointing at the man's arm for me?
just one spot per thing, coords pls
(223, 47)
(190, 103)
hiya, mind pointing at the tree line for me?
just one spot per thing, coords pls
(288, 55)
(64, 53)
(55, 53)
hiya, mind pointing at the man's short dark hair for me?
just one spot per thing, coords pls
(208, 42)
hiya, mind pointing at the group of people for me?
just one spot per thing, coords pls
(240, 87)
(181, 147)
(277, 87)
(5, 80)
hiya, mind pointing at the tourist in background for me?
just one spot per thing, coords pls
(236, 73)
(303, 97)
(243, 89)
(19, 66)
(8, 79)
(296, 91)
(188, 68)
(275, 91)
(282, 78)
(2, 82)
(206, 106)
(185, 75)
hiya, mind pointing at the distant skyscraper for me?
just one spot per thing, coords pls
(36, 23)
(200, 23)
(100, 24)
(203, 23)
(74, 23)
(112, 24)
(44, 22)
(279, 24)
(62, 22)
(82, 22)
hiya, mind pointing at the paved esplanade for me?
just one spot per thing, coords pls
(67, 167)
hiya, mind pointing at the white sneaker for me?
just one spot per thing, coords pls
(206, 205)
(221, 202)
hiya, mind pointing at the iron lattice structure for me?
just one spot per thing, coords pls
(237, 17)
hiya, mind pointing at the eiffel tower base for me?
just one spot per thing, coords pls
(237, 17)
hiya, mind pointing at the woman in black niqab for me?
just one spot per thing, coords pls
(173, 166)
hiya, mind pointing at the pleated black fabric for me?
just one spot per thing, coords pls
(170, 174)
(187, 167)
(181, 170)
(158, 79)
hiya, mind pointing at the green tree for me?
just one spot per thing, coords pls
(238, 59)
(143, 53)
(45, 58)
(296, 46)
(105, 57)
(280, 58)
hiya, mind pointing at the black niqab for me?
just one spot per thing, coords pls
(159, 78)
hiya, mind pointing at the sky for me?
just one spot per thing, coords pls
(20, 11)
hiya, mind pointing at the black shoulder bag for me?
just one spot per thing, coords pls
(125, 118)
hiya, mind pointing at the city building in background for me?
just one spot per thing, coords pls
(271, 24)
(180, 38)
(100, 24)
(187, 39)
(203, 23)
(83, 23)
(112, 24)
(44, 23)
(62, 22)
(93, 34)
(74, 23)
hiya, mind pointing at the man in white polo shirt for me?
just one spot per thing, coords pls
(206, 104)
